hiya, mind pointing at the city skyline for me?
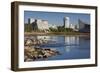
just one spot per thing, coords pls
(56, 17)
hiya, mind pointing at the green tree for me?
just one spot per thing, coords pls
(28, 28)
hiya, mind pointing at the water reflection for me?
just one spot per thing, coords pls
(67, 40)
(70, 47)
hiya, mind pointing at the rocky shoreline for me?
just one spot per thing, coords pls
(34, 54)
(34, 42)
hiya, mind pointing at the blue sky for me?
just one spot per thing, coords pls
(56, 17)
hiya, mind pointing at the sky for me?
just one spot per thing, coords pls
(56, 17)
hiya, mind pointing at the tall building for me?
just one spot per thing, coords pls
(81, 24)
(66, 22)
(83, 27)
(31, 20)
(38, 24)
(42, 24)
(72, 26)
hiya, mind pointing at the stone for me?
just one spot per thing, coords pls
(28, 42)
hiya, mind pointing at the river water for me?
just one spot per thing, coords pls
(70, 46)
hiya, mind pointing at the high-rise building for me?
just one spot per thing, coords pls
(42, 24)
(66, 22)
(83, 27)
(38, 24)
(31, 20)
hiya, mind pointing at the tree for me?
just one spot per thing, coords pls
(28, 28)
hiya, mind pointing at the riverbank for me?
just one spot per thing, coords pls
(55, 33)
(34, 54)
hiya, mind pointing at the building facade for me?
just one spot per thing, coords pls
(53, 26)
(66, 22)
(38, 24)
(83, 27)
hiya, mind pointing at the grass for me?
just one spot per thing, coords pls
(56, 33)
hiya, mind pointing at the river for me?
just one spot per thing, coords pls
(70, 46)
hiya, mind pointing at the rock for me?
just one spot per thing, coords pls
(29, 60)
(48, 49)
(47, 54)
(28, 42)
(57, 52)
(40, 56)
(32, 53)
(30, 49)
(44, 56)
(25, 58)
